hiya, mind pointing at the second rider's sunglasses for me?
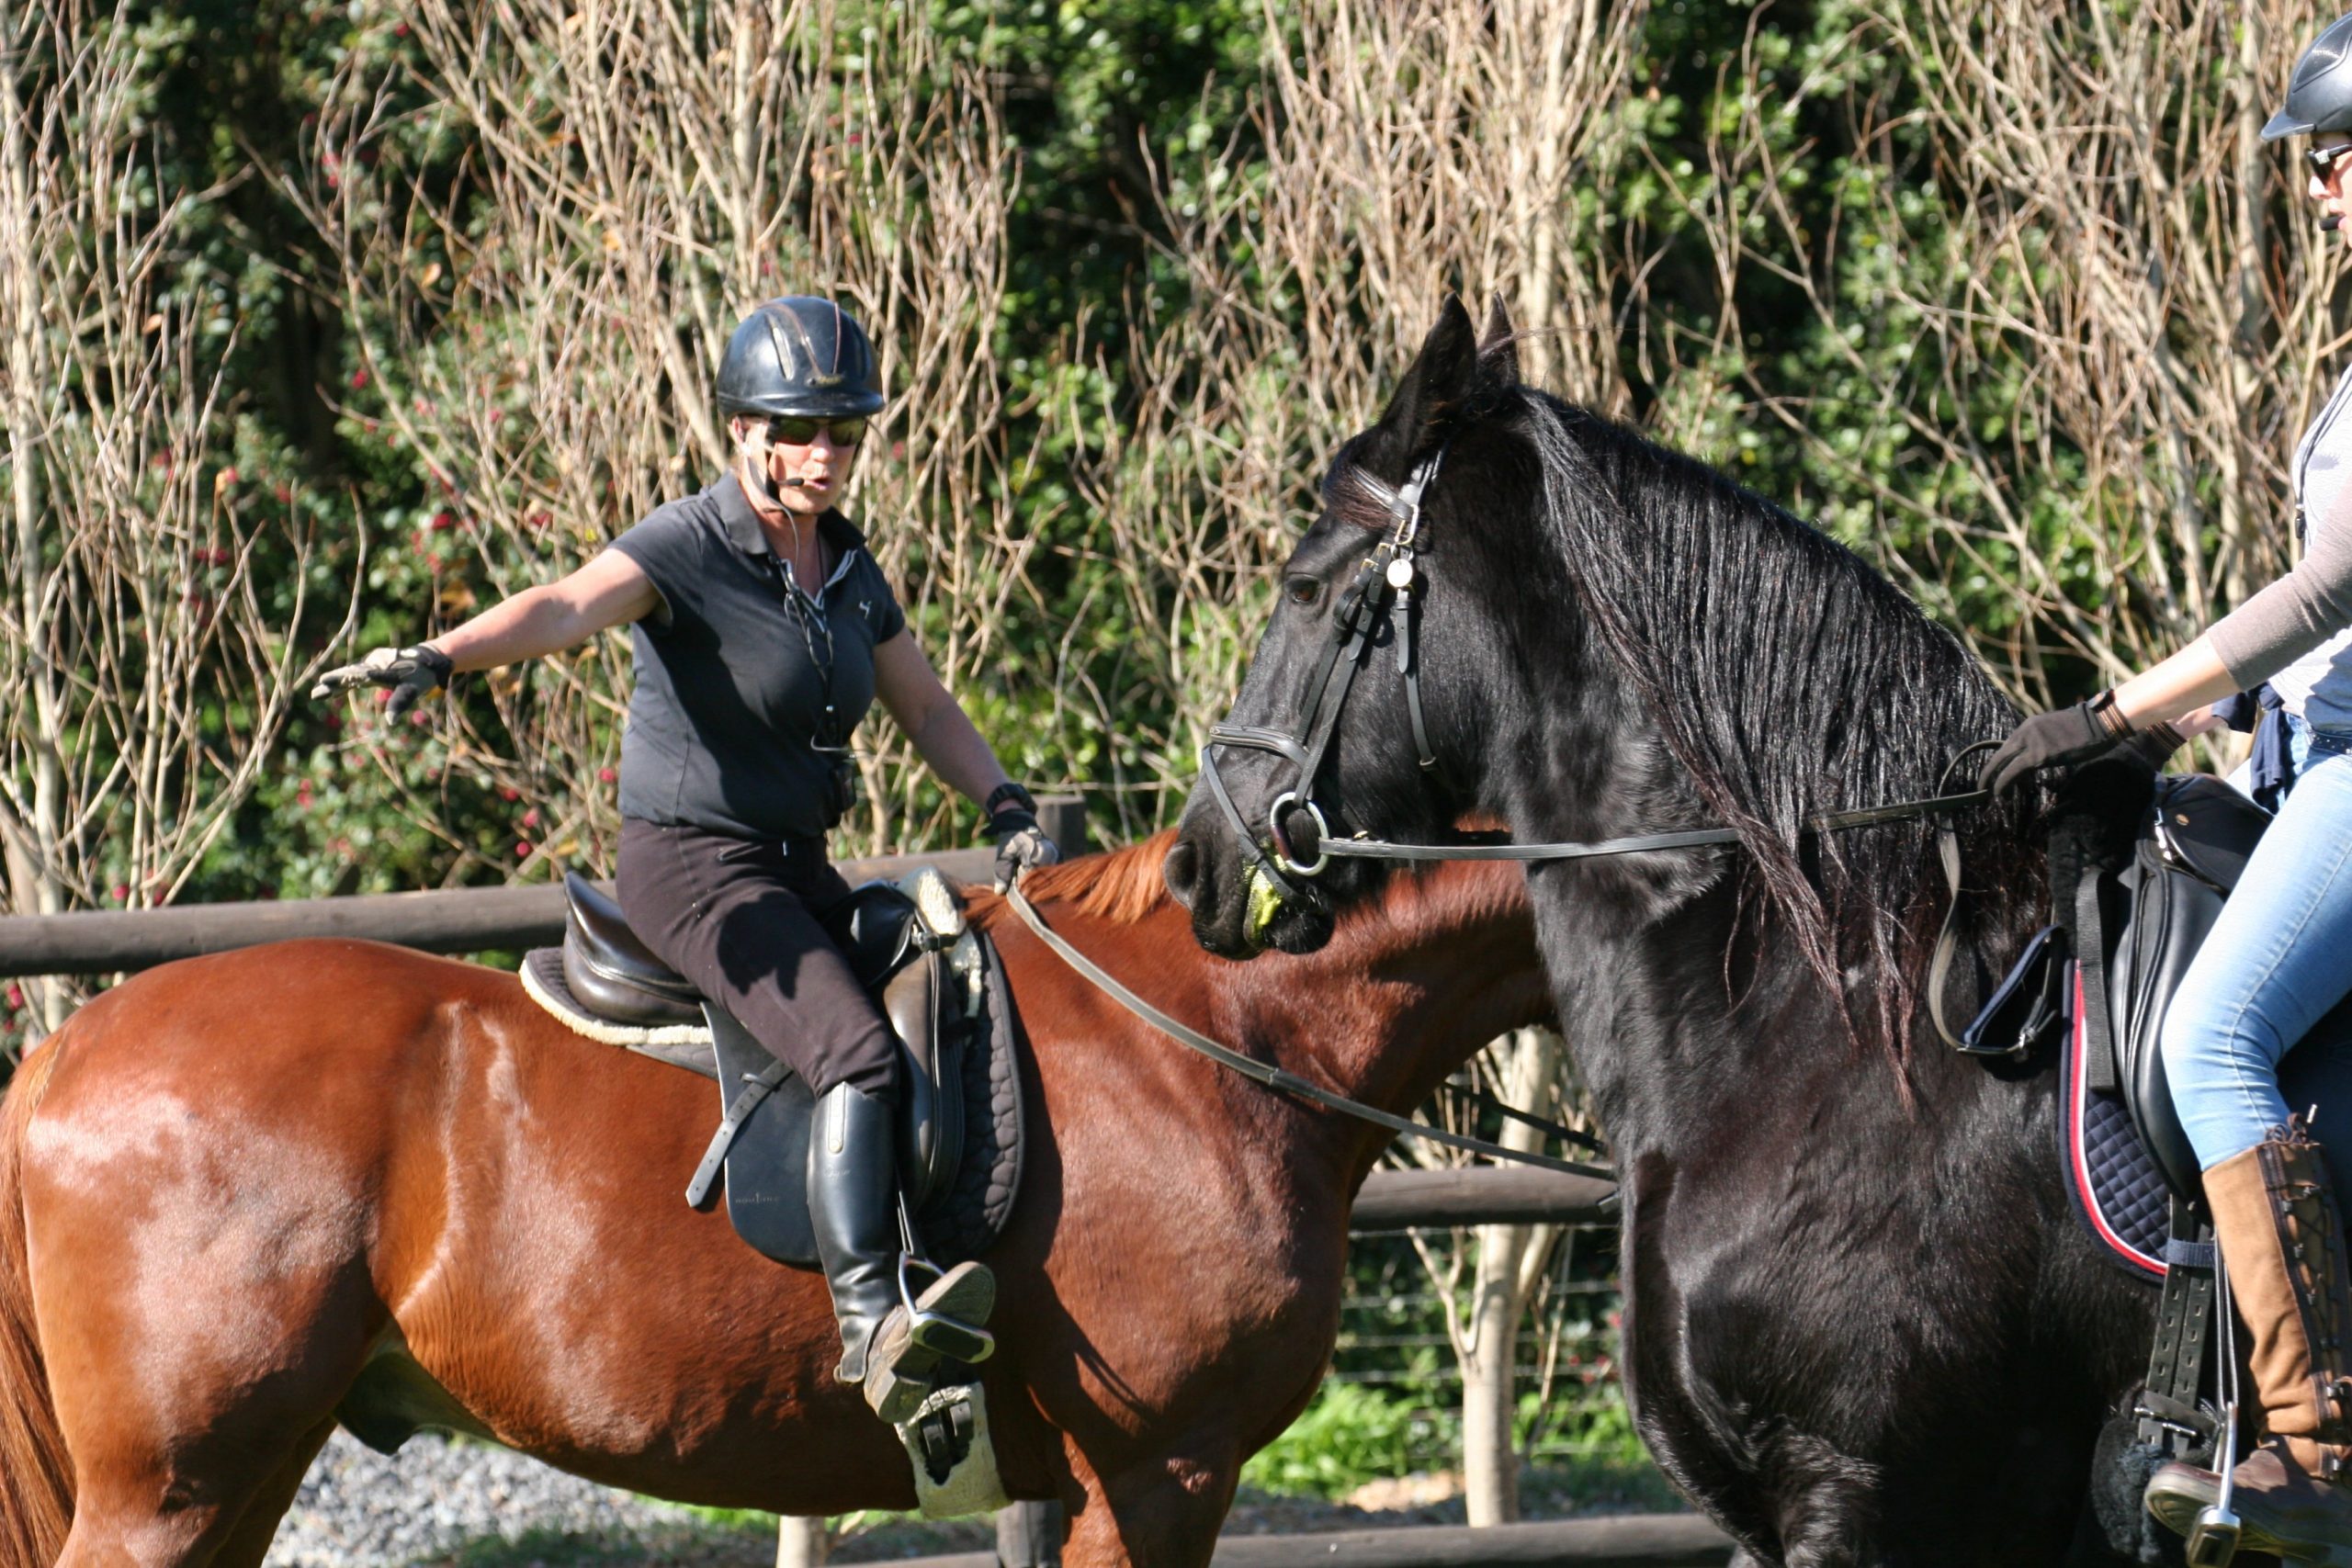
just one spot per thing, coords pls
(2323, 160)
(787, 430)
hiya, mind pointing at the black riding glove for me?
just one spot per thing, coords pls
(2059, 739)
(411, 673)
(1019, 842)
(2156, 745)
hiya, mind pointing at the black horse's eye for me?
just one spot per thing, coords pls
(1303, 590)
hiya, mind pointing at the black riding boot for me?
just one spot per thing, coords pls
(853, 1207)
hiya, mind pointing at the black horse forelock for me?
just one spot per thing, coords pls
(1788, 678)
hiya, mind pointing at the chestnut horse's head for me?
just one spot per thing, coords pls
(1366, 704)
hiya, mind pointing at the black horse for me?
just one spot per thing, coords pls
(1861, 1324)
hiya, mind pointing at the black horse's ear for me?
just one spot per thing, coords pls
(1442, 375)
(1499, 346)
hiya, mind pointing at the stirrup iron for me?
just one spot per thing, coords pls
(935, 1331)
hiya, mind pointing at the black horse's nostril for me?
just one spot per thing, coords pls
(1181, 872)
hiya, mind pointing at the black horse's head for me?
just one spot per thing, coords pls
(1377, 674)
(1554, 622)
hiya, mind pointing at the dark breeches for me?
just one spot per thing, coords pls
(739, 919)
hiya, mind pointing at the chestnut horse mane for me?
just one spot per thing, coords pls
(1122, 886)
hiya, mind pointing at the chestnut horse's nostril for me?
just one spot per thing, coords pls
(1181, 872)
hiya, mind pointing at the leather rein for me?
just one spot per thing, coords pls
(1290, 1083)
(1383, 593)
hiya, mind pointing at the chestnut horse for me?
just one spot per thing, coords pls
(233, 1186)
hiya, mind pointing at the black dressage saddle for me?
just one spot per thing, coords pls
(2137, 920)
(936, 979)
(2136, 885)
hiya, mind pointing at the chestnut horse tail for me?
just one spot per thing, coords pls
(36, 1488)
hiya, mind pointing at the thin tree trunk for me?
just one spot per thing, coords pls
(33, 887)
(802, 1543)
(1511, 1260)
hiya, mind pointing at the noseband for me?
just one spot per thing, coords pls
(1381, 595)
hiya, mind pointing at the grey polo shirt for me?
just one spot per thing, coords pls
(732, 686)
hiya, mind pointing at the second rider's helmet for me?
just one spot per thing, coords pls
(800, 356)
(2319, 95)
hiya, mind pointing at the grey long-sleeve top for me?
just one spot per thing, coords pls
(2297, 633)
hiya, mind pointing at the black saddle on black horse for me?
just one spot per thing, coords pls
(2135, 927)
(935, 978)
(2130, 909)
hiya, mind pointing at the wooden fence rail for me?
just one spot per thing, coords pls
(463, 920)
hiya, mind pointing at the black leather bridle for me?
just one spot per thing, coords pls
(1381, 595)
(1384, 594)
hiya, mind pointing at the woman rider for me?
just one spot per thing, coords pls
(2280, 954)
(764, 632)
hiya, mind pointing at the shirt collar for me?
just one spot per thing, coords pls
(743, 530)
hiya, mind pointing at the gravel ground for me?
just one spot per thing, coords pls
(360, 1509)
(445, 1504)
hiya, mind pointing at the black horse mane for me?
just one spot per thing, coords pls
(1788, 678)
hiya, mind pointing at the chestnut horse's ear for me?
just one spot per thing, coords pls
(1499, 346)
(1442, 375)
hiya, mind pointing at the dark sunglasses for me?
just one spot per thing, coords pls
(792, 431)
(2323, 160)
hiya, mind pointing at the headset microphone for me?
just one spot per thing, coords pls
(2331, 224)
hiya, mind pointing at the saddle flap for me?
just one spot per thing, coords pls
(610, 970)
(2171, 910)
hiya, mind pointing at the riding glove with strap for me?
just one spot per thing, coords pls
(1019, 842)
(411, 673)
(2059, 739)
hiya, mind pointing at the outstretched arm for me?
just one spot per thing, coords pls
(608, 592)
(538, 621)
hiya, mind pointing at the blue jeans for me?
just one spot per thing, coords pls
(2277, 959)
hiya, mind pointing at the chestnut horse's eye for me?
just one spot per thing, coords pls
(1303, 590)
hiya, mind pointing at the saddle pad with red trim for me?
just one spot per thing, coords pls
(2116, 1189)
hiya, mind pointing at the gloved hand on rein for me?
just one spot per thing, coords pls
(2069, 738)
(411, 673)
(1019, 842)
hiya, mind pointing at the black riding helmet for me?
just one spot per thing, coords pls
(2319, 96)
(800, 356)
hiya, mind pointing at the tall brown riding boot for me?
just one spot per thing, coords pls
(2282, 1239)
